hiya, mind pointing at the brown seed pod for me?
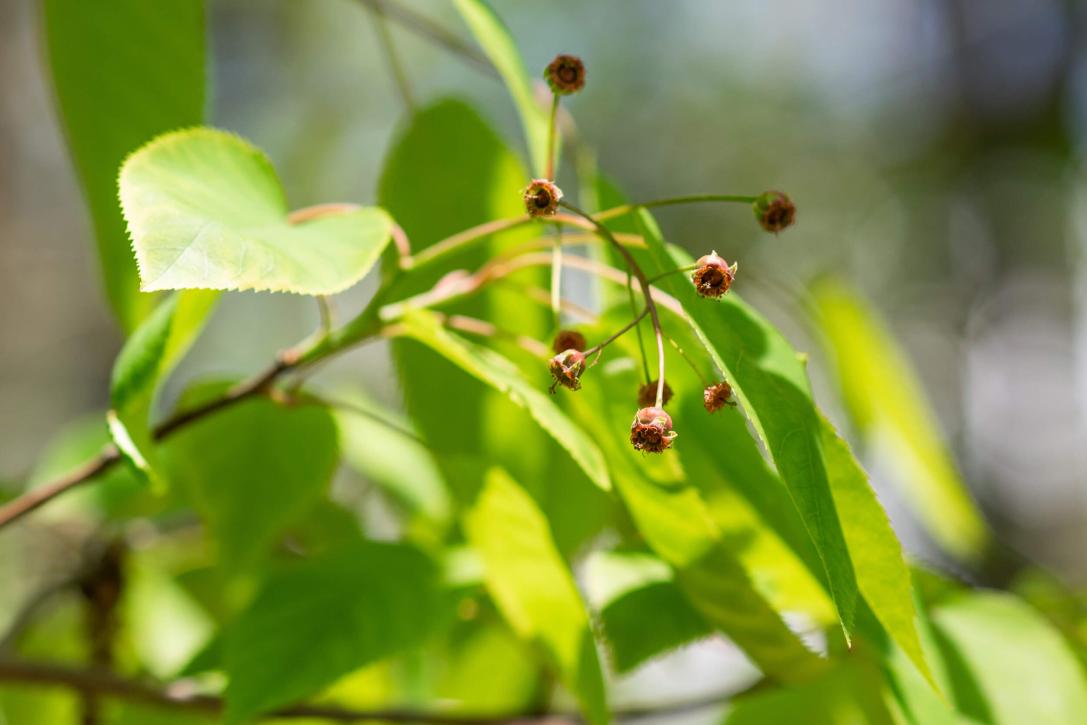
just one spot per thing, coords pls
(714, 275)
(647, 394)
(542, 198)
(775, 211)
(565, 74)
(566, 368)
(717, 396)
(652, 430)
(568, 340)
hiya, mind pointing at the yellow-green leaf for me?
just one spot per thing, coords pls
(205, 210)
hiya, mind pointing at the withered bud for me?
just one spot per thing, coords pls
(651, 430)
(566, 368)
(542, 198)
(568, 340)
(565, 74)
(775, 211)
(714, 275)
(717, 396)
(647, 394)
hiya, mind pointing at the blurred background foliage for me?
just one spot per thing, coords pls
(934, 150)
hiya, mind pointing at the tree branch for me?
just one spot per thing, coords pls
(181, 696)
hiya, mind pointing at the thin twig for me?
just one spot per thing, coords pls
(109, 456)
(622, 331)
(377, 8)
(424, 27)
(688, 199)
(643, 281)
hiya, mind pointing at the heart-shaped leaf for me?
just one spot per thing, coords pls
(205, 210)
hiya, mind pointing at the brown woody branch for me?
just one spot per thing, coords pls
(181, 696)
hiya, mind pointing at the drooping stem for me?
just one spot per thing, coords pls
(377, 7)
(670, 201)
(549, 174)
(643, 281)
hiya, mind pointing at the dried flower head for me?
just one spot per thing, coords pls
(717, 396)
(647, 394)
(651, 430)
(568, 340)
(542, 198)
(566, 368)
(714, 275)
(775, 211)
(565, 74)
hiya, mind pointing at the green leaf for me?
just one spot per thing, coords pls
(846, 695)
(316, 621)
(123, 73)
(534, 588)
(889, 406)
(469, 426)
(770, 381)
(882, 574)
(671, 516)
(205, 210)
(502, 375)
(389, 456)
(252, 469)
(494, 37)
(1006, 664)
(148, 356)
(643, 612)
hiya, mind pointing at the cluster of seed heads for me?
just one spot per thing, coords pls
(651, 430)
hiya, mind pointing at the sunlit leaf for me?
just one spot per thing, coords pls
(468, 426)
(252, 469)
(205, 210)
(110, 104)
(1005, 664)
(889, 406)
(388, 455)
(494, 37)
(772, 385)
(148, 356)
(534, 588)
(668, 511)
(847, 695)
(497, 372)
(315, 621)
(882, 575)
(643, 613)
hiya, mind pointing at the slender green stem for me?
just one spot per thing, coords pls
(643, 281)
(688, 199)
(551, 133)
(324, 308)
(436, 33)
(392, 58)
(622, 331)
(677, 270)
(682, 354)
